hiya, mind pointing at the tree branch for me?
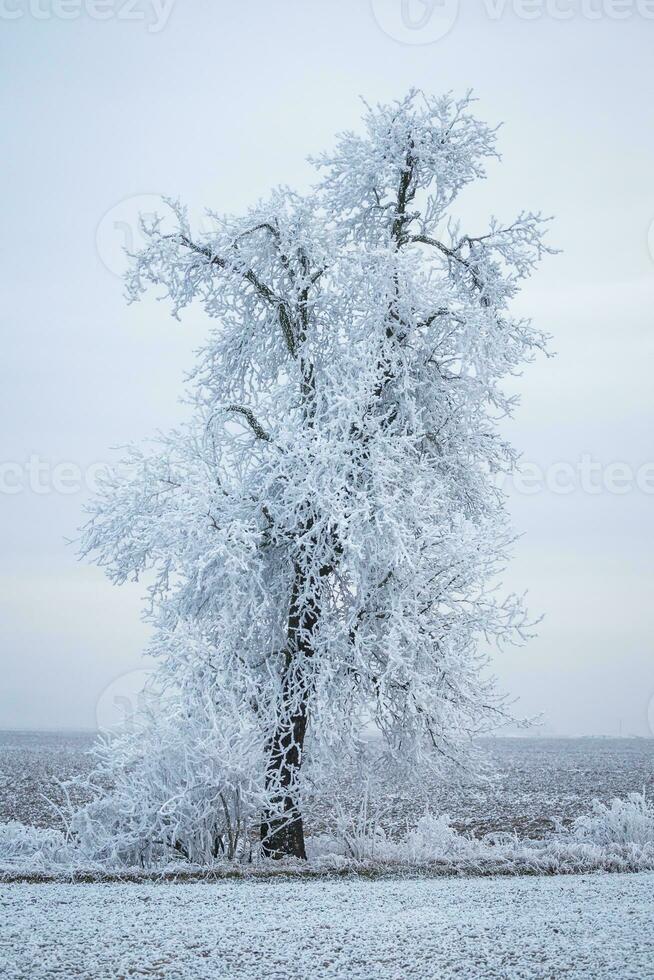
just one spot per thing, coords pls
(266, 293)
(251, 419)
(453, 254)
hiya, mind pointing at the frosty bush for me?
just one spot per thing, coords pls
(617, 837)
(35, 848)
(178, 785)
(362, 838)
(629, 821)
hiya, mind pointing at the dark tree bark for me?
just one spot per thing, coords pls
(282, 827)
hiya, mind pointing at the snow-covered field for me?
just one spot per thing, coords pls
(595, 926)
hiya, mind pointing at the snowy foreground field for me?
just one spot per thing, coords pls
(592, 926)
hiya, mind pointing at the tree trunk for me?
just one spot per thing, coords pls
(282, 827)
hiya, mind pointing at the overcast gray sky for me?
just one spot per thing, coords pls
(216, 102)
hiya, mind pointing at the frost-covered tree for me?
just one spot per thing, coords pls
(326, 530)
